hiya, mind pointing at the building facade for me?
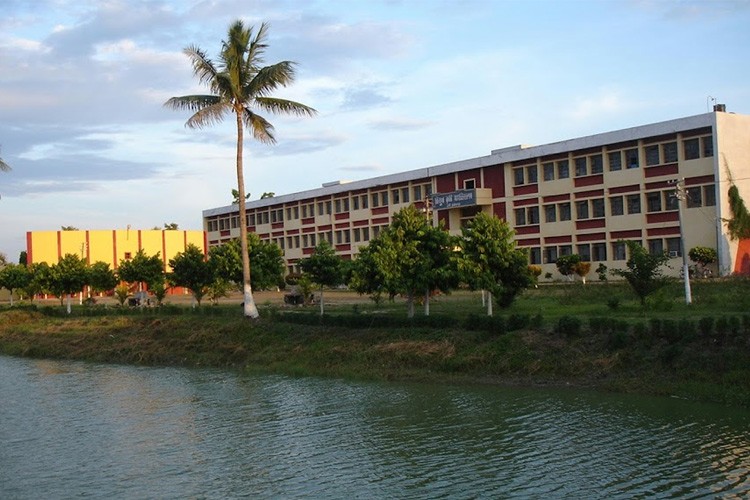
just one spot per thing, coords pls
(111, 246)
(586, 196)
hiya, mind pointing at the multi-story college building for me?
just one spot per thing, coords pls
(586, 196)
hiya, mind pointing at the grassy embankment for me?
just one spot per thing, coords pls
(594, 336)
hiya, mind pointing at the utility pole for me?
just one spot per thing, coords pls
(681, 194)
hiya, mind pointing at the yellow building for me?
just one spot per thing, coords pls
(111, 245)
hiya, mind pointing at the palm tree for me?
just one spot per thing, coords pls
(4, 167)
(239, 84)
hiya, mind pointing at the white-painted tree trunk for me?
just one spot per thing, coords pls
(489, 303)
(321, 301)
(67, 308)
(427, 303)
(249, 308)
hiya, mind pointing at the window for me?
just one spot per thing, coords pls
(616, 206)
(655, 247)
(365, 234)
(364, 200)
(584, 251)
(670, 200)
(694, 197)
(582, 209)
(631, 158)
(417, 193)
(346, 204)
(328, 208)
(564, 211)
(532, 215)
(532, 174)
(599, 252)
(375, 200)
(691, 148)
(634, 204)
(708, 146)
(396, 196)
(384, 198)
(250, 219)
(520, 216)
(355, 203)
(535, 255)
(652, 155)
(673, 247)
(405, 195)
(653, 201)
(709, 196)
(618, 250)
(357, 234)
(305, 241)
(615, 161)
(312, 240)
(128, 255)
(337, 205)
(304, 211)
(550, 213)
(549, 171)
(566, 249)
(581, 167)
(669, 152)
(320, 208)
(518, 176)
(597, 164)
(550, 255)
(563, 169)
(597, 207)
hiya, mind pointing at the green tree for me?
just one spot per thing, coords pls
(491, 261)
(267, 195)
(414, 258)
(366, 276)
(236, 197)
(68, 276)
(267, 258)
(566, 264)
(240, 85)
(191, 270)
(142, 269)
(23, 258)
(69, 228)
(643, 272)
(14, 277)
(324, 268)
(171, 226)
(40, 278)
(101, 278)
(704, 256)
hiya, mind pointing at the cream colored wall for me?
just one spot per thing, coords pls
(731, 159)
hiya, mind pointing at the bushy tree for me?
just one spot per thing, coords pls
(101, 278)
(703, 255)
(240, 85)
(191, 270)
(142, 269)
(566, 264)
(68, 276)
(324, 268)
(367, 277)
(412, 258)
(491, 261)
(14, 277)
(643, 272)
(267, 258)
(582, 269)
(40, 279)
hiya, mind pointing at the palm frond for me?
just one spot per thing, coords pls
(261, 128)
(284, 106)
(269, 78)
(192, 102)
(209, 115)
(4, 167)
(203, 67)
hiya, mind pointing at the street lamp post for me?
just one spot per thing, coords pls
(681, 196)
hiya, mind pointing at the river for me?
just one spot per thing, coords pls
(71, 430)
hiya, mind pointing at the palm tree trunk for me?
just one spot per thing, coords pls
(249, 308)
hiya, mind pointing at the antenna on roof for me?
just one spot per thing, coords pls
(709, 100)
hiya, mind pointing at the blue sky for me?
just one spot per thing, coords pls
(398, 84)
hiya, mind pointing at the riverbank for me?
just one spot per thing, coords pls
(648, 360)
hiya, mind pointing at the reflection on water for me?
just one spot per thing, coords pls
(71, 429)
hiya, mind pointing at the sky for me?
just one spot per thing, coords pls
(398, 85)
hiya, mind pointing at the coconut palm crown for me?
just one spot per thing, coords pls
(240, 84)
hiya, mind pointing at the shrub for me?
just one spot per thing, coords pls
(569, 326)
(706, 326)
(613, 303)
(517, 322)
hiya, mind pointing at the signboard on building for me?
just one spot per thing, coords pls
(460, 198)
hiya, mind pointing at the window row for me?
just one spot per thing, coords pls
(597, 252)
(629, 158)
